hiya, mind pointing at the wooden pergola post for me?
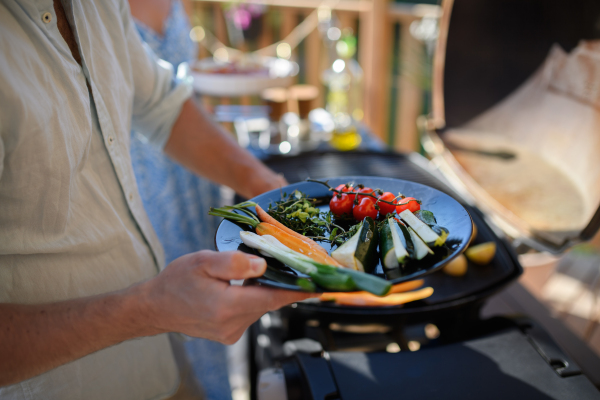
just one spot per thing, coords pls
(410, 89)
(374, 58)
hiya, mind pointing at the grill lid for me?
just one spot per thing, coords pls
(506, 134)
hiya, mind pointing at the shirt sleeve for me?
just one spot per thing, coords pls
(158, 96)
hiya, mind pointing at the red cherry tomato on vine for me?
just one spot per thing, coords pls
(408, 203)
(368, 191)
(347, 188)
(385, 208)
(340, 205)
(366, 208)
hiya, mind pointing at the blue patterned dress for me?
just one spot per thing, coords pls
(177, 201)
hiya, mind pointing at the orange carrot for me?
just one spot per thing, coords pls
(307, 248)
(397, 288)
(367, 299)
(406, 286)
(265, 217)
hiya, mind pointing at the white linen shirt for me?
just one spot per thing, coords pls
(71, 221)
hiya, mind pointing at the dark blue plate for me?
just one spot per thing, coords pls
(448, 212)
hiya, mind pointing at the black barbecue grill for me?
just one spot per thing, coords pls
(307, 340)
(325, 351)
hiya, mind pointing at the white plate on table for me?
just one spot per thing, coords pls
(265, 73)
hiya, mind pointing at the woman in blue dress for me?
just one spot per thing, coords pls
(176, 200)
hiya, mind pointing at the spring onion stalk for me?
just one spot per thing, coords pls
(306, 284)
(327, 276)
(249, 219)
(296, 261)
(240, 206)
(368, 282)
(322, 276)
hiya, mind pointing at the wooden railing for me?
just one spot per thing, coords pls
(391, 102)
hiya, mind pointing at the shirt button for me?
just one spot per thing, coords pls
(47, 17)
(130, 196)
(110, 140)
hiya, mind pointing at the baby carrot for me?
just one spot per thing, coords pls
(265, 217)
(397, 288)
(367, 299)
(294, 243)
(301, 245)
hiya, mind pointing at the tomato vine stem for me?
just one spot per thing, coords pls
(339, 192)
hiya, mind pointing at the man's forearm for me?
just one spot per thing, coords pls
(192, 295)
(37, 338)
(208, 150)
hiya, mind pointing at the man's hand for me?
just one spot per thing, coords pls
(193, 296)
(208, 150)
(263, 182)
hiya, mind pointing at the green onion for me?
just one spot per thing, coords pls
(327, 276)
(233, 216)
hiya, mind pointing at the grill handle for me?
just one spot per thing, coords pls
(547, 348)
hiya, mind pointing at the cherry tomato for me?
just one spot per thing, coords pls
(385, 208)
(341, 204)
(366, 190)
(408, 203)
(347, 188)
(366, 208)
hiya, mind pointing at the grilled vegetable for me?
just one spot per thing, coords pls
(481, 254)
(456, 267)
(393, 244)
(406, 286)
(367, 282)
(265, 217)
(365, 208)
(348, 187)
(360, 251)
(341, 204)
(428, 218)
(302, 245)
(423, 230)
(420, 249)
(327, 276)
(367, 299)
(385, 208)
(397, 288)
(408, 203)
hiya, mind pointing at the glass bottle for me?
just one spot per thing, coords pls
(343, 96)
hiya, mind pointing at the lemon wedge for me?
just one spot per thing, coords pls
(456, 267)
(482, 253)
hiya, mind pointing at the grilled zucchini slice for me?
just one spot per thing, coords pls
(360, 251)
(393, 244)
(429, 236)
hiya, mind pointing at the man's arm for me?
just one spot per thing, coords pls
(192, 295)
(185, 132)
(208, 150)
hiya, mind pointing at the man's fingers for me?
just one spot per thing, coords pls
(238, 265)
(282, 181)
(234, 265)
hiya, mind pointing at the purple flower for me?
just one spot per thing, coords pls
(241, 14)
